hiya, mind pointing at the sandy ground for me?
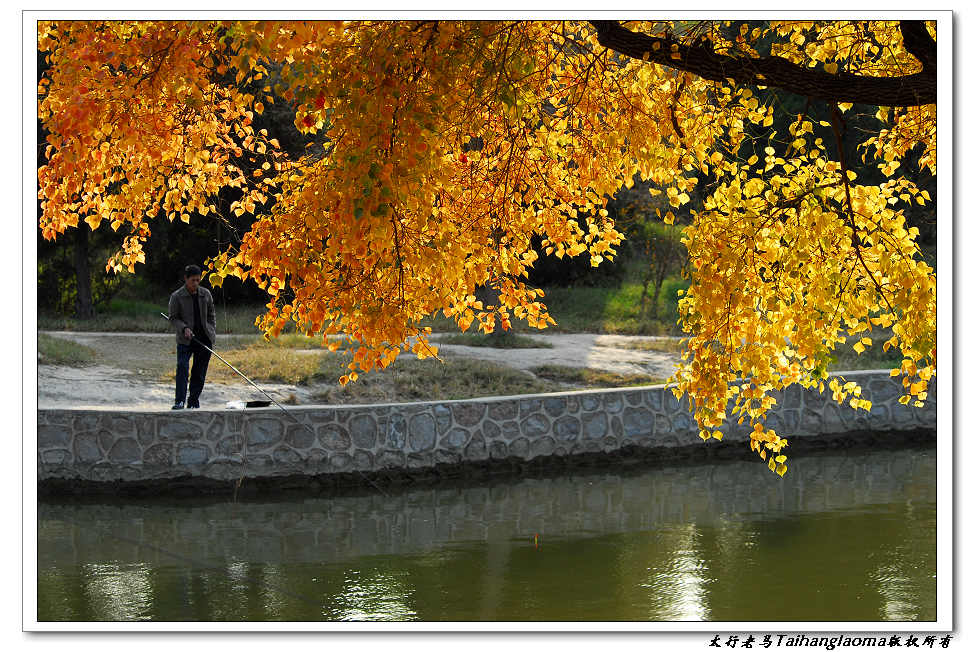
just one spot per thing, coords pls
(142, 357)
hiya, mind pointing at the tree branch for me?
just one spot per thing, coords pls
(908, 90)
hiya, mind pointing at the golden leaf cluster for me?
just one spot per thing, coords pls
(448, 145)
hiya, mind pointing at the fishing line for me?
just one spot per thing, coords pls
(293, 417)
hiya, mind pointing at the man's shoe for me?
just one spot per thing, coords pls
(192, 405)
(178, 405)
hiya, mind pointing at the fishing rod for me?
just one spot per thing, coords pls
(283, 409)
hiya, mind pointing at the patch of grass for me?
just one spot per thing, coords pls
(142, 316)
(593, 310)
(506, 340)
(409, 379)
(593, 378)
(264, 364)
(667, 345)
(55, 350)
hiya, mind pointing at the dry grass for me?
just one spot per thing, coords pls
(666, 345)
(55, 350)
(410, 379)
(499, 341)
(593, 378)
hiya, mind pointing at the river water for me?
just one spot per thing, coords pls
(842, 537)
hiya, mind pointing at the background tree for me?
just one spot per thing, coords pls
(396, 216)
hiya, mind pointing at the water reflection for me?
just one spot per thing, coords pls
(839, 538)
(374, 596)
(677, 588)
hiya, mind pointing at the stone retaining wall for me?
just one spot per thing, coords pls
(107, 446)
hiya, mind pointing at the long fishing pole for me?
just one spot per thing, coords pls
(283, 409)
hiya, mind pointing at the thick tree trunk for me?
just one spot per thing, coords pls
(489, 296)
(656, 298)
(84, 306)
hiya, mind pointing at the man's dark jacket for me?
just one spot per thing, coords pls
(181, 313)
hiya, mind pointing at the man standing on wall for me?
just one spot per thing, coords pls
(191, 312)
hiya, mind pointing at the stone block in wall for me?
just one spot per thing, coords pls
(316, 461)
(85, 421)
(189, 454)
(54, 418)
(364, 430)
(86, 449)
(490, 431)
(53, 436)
(363, 461)
(105, 439)
(882, 390)
(125, 451)
(541, 447)
(683, 423)
(339, 462)
(497, 450)
(468, 414)
(216, 429)
(422, 432)
(616, 426)
(502, 410)
(287, 456)
(180, 429)
(319, 416)
(391, 460)
(120, 426)
(442, 414)
(146, 429)
(903, 416)
(590, 402)
(634, 398)
(476, 450)
(263, 433)
(456, 438)
(56, 456)
(159, 455)
(535, 425)
(232, 445)
(519, 447)
(810, 423)
(555, 406)
(637, 422)
(613, 402)
(814, 401)
(419, 460)
(334, 437)
(446, 457)
(300, 436)
(510, 430)
(567, 428)
(595, 425)
(529, 407)
(397, 432)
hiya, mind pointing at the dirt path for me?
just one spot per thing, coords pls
(142, 358)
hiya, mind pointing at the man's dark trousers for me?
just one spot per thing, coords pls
(201, 358)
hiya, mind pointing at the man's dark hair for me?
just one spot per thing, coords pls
(192, 270)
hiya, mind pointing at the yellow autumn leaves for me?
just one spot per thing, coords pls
(447, 147)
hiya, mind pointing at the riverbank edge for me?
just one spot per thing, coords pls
(629, 459)
(328, 446)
